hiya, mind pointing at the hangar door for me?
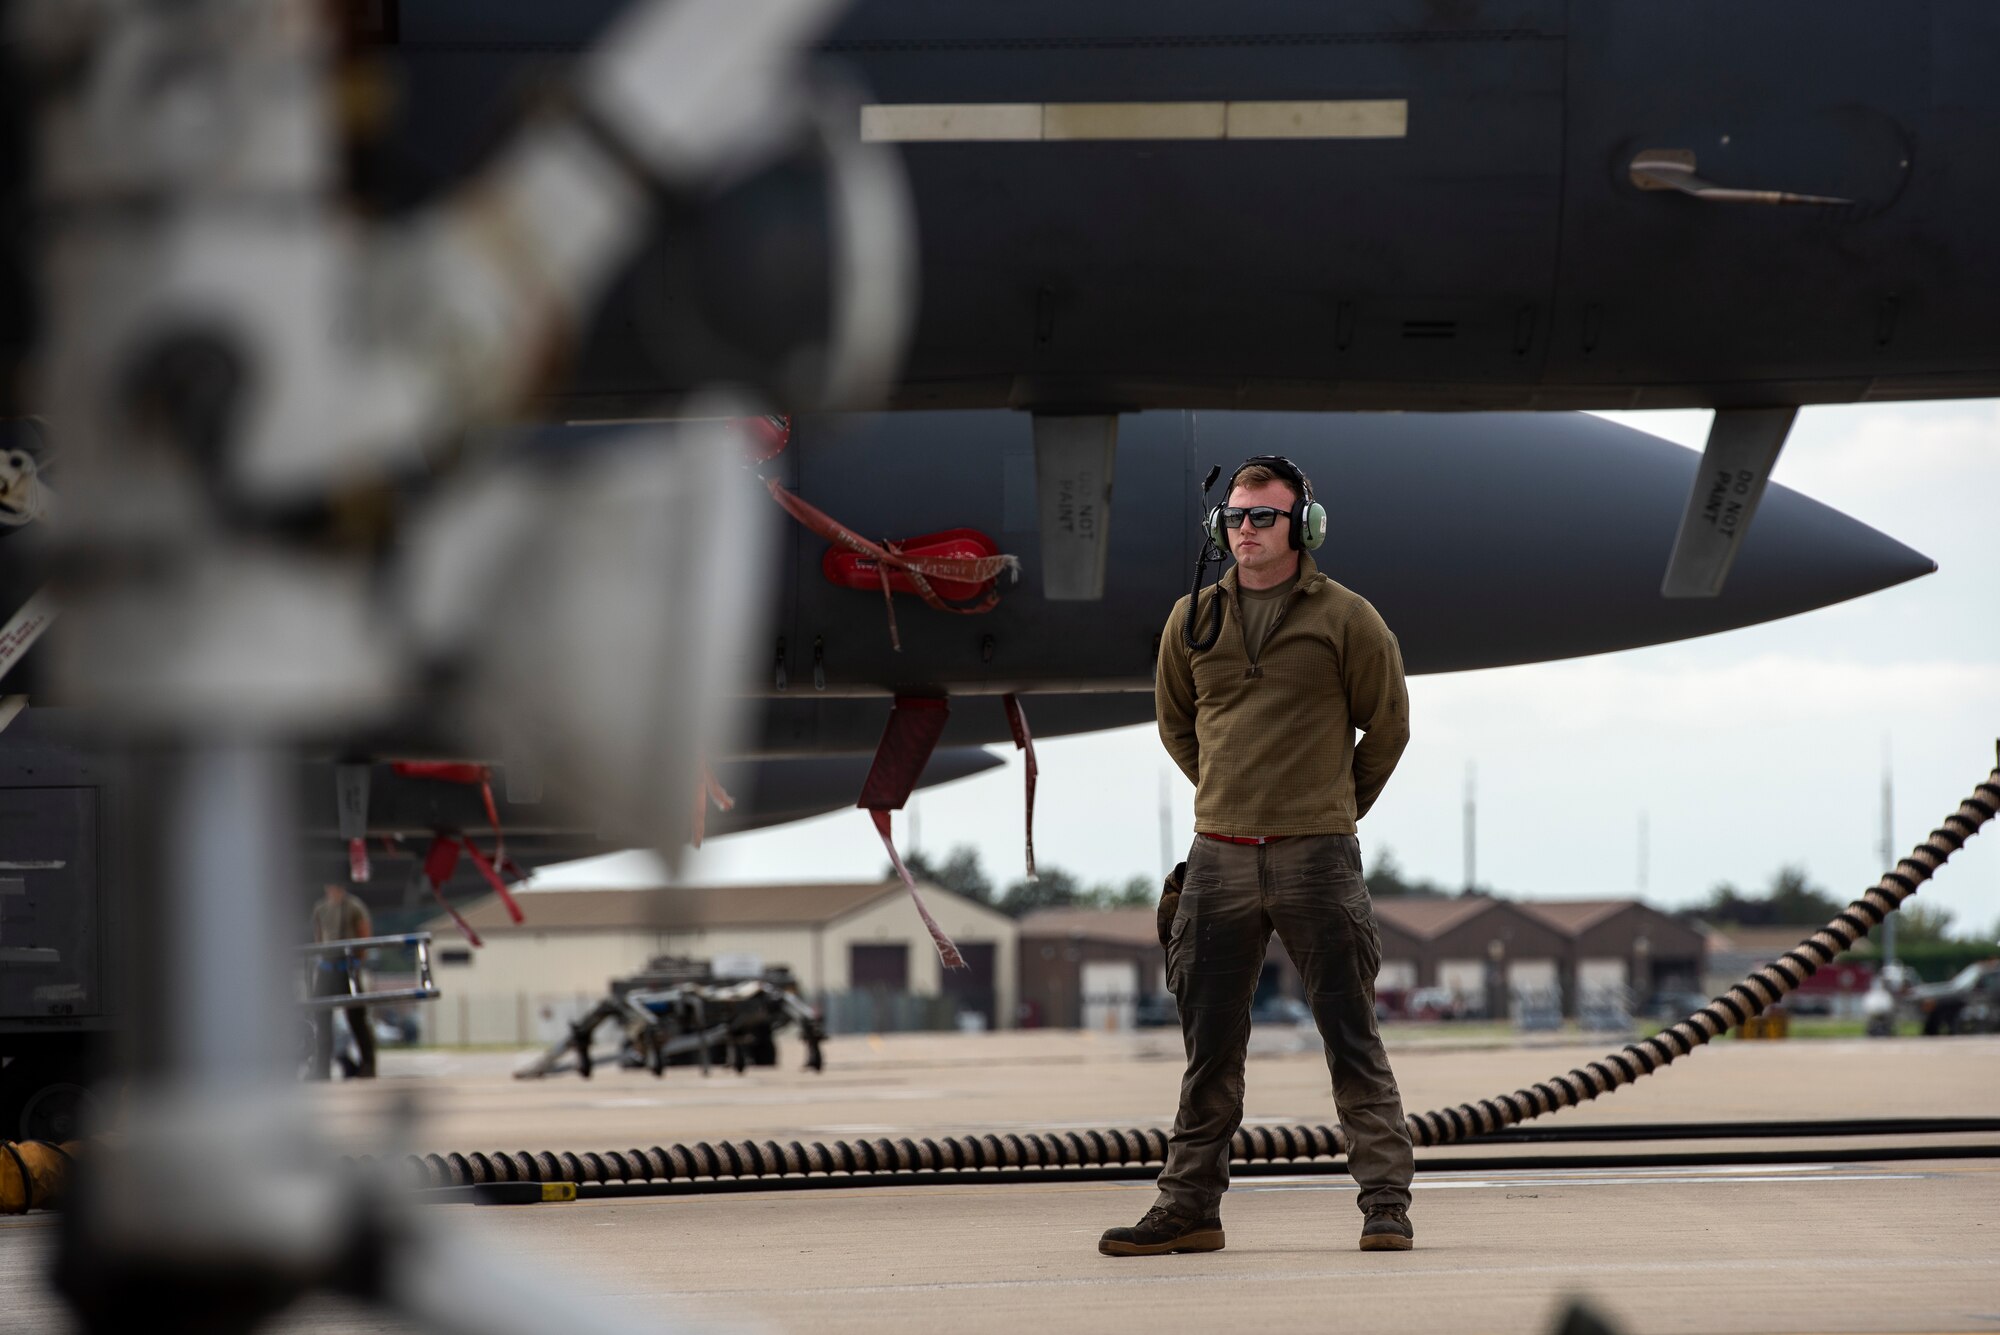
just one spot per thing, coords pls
(1600, 980)
(971, 988)
(1396, 975)
(1110, 994)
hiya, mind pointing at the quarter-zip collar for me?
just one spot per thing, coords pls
(1307, 584)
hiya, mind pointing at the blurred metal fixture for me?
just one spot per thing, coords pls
(226, 355)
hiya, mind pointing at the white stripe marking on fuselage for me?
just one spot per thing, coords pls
(1074, 122)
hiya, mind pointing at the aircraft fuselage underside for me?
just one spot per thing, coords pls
(1395, 204)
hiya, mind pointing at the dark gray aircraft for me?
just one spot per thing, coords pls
(1381, 204)
(1286, 204)
(1485, 539)
(1390, 204)
(404, 814)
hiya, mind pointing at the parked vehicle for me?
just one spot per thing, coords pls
(1538, 1011)
(1391, 1003)
(1967, 1003)
(1434, 1003)
(1898, 977)
(396, 1028)
(1668, 1007)
(1878, 1008)
(1158, 1011)
(1280, 1010)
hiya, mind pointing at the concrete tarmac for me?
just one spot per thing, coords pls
(931, 1084)
(1883, 1246)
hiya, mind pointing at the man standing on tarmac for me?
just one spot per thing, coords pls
(1263, 719)
(339, 916)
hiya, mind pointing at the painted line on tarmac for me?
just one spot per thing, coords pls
(1553, 1174)
(1289, 1184)
(974, 1129)
(1395, 1269)
(756, 1099)
(1547, 1177)
(1585, 1177)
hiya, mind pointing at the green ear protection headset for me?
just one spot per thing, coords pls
(1308, 526)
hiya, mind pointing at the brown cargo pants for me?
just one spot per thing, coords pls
(1309, 889)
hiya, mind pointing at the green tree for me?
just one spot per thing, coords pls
(1790, 900)
(1795, 899)
(1055, 889)
(1139, 891)
(961, 872)
(1387, 880)
(1923, 924)
(1728, 905)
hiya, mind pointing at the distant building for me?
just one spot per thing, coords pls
(1094, 967)
(1623, 945)
(1488, 952)
(1089, 968)
(858, 950)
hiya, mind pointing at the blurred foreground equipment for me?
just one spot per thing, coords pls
(233, 364)
(34, 1174)
(422, 988)
(676, 1012)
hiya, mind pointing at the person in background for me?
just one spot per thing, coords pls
(339, 916)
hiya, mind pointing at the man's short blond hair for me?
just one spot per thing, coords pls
(1256, 475)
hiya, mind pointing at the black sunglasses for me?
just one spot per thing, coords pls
(1260, 516)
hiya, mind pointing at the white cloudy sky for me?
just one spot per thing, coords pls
(1746, 751)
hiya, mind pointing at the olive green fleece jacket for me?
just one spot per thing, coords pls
(1270, 744)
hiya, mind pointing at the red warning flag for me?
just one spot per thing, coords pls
(1017, 722)
(440, 861)
(947, 952)
(966, 571)
(711, 790)
(915, 724)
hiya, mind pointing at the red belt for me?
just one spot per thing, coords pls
(1243, 838)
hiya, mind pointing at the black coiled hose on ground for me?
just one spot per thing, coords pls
(1762, 989)
(858, 1159)
(752, 1158)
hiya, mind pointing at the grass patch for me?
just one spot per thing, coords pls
(1817, 1026)
(462, 1047)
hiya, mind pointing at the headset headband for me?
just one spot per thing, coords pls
(1308, 527)
(1283, 467)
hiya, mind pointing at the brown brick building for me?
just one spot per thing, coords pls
(1622, 944)
(1094, 967)
(1089, 968)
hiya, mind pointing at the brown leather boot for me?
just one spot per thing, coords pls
(1161, 1231)
(1388, 1230)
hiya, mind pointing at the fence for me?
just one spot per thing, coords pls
(874, 1012)
(517, 1019)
